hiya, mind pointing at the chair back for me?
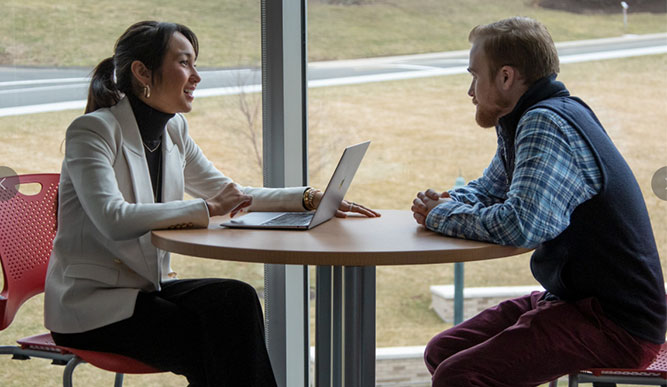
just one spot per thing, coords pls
(27, 228)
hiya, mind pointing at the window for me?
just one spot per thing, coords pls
(393, 72)
(365, 84)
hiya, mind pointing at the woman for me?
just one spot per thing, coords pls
(127, 164)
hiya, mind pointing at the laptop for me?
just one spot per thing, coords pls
(333, 195)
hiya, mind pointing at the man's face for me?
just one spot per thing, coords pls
(485, 90)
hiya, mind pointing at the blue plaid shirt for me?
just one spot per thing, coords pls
(554, 172)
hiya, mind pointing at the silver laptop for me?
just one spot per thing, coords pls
(333, 195)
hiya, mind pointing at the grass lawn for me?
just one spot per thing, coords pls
(423, 134)
(82, 32)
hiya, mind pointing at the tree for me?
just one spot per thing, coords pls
(245, 116)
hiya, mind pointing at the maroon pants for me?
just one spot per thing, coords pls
(529, 341)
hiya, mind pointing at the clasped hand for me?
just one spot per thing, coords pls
(425, 202)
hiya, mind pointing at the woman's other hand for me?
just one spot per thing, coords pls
(346, 206)
(230, 200)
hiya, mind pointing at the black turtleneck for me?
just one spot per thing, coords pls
(151, 123)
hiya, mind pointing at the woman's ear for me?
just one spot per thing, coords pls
(141, 72)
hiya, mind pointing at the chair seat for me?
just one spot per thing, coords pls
(43, 342)
(105, 360)
(625, 372)
(656, 369)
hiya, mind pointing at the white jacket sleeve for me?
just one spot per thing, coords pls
(203, 180)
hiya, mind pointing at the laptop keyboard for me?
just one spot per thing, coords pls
(290, 219)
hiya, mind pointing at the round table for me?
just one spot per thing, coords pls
(392, 239)
(346, 252)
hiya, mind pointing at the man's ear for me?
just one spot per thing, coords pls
(507, 77)
(141, 72)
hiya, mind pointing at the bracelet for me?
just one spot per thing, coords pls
(307, 205)
(309, 198)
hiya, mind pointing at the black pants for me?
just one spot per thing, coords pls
(210, 330)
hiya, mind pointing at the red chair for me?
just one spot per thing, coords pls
(27, 228)
(655, 374)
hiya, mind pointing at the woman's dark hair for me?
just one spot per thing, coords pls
(145, 41)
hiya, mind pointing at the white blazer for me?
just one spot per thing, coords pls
(102, 255)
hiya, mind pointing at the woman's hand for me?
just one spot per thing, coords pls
(229, 200)
(346, 206)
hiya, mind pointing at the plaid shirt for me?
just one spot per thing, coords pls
(554, 171)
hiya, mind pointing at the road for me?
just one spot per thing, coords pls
(25, 90)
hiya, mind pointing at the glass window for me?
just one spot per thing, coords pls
(394, 72)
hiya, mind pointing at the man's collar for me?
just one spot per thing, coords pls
(542, 89)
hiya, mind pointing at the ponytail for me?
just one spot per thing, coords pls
(103, 91)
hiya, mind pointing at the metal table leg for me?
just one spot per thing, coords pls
(345, 327)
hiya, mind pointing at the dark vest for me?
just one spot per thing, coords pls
(608, 251)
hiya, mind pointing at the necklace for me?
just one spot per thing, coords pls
(158, 142)
(157, 187)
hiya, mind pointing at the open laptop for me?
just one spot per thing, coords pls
(333, 195)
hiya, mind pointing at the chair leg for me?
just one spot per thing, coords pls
(573, 380)
(119, 380)
(69, 370)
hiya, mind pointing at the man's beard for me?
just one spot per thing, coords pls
(487, 117)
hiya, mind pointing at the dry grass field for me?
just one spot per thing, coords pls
(423, 135)
(80, 32)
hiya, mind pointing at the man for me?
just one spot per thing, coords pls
(557, 184)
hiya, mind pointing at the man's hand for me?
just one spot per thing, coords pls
(425, 202)
(230, 199)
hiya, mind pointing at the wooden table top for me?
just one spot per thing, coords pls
(392, 239)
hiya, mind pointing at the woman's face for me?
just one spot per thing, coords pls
(173, 91)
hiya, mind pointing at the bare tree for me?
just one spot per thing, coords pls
(247, 116)
(250, 107)
(248, 104)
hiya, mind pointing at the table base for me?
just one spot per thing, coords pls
(345, 321)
